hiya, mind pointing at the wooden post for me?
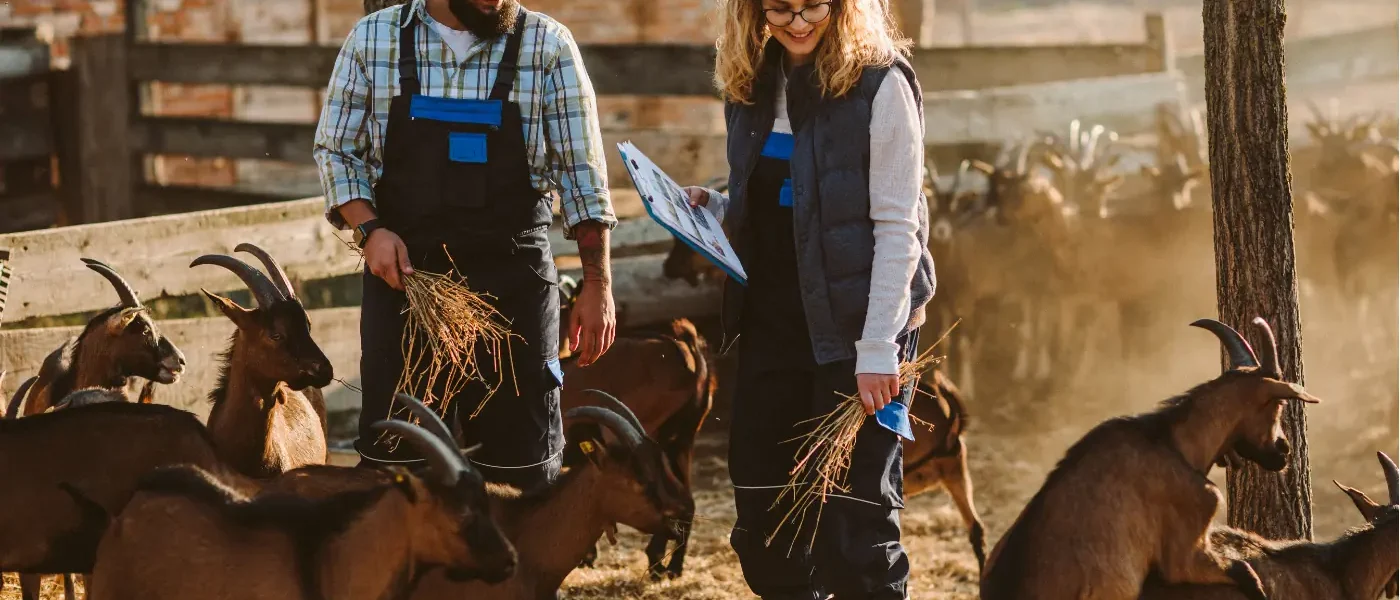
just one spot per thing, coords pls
(101, 164)
(909, 16)
(1253, 208)
(1163, 56)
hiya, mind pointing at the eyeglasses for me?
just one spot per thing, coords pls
(781, 17)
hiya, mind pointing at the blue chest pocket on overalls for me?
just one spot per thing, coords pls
(462, 147)
(466, 147)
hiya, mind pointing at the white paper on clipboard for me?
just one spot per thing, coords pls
(667, 204)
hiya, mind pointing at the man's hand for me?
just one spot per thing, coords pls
(593, 320)
(387, 257)
(876, 390)
(385, 253)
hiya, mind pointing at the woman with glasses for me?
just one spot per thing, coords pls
(825, 209)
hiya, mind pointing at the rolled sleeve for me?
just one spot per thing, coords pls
(342, 143)
(575, 140)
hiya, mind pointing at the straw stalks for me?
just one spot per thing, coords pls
(444, 323)
(824, 454)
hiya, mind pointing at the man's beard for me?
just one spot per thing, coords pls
(485, 24)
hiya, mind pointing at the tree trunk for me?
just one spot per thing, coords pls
(1254, 255)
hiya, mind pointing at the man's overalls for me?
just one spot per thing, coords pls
(455, 173)
(856, 553)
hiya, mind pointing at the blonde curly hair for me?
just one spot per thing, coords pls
(862, 34)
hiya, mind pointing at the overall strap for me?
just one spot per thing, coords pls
(510, 60)
(408, 52)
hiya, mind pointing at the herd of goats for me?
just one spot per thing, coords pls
(148, 501)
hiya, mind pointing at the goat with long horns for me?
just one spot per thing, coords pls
(1131, 497)
(118, 344)
(269, 414)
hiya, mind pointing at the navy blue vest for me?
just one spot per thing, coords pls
(830, 173)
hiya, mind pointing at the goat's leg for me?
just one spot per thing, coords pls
(68, 592)
(30, 585)
(1199, 566)
(591, 557)
(959, 486)
(656, 555)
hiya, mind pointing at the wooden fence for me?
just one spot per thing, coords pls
(154, 254)
(105, 178)
(28, 146)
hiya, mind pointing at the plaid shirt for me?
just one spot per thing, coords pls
(557, 104)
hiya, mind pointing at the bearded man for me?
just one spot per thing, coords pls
(447, 127)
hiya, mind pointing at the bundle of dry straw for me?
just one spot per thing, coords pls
(824, 455)
(444, 321)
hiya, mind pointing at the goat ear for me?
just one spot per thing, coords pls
(239, 315)
(1364, 503)
(587, 439)
(983, 167)
(1283, 390)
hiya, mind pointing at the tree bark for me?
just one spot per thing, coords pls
(1253, 215)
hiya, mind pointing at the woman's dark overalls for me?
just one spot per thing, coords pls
(456, 174)
(856, 553)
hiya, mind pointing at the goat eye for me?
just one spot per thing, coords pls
(276, 337)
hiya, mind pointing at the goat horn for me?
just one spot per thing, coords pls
(957, 178)
(124, 291)
(427, 418)
(13, 406)
(444, 462)
(274, 270)
(1270, 347)
(611, 401)
(1074, 136)
(1241, 355)
(257, 283)
(630, 436)
(1392, 477)
(1021, 159)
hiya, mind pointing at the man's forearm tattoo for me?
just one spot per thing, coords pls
(593, 251)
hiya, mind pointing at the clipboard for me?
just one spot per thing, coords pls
(666, 203)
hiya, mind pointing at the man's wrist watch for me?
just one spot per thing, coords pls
(363, 230)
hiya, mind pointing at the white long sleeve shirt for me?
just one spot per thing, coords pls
(896, 167)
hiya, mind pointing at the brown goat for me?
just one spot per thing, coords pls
(119, 343)
(359, 534)
(614, 474)
(667, 378)
(269, 415)
(939, 458)
(1359, 565)
(1080, 165)
(102, 449)
(1131, 497)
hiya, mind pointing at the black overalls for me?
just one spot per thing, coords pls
(456, 173)
(856, 553)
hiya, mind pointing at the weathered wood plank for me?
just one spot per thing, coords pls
(153, 200)
(154, 253)
(28, 211)
(1325, 63)
(643, 297)
(290, 142)
(670, 69)
(1126, 104)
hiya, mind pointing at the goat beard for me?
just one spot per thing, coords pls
(1269, 459)
(485, 24)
